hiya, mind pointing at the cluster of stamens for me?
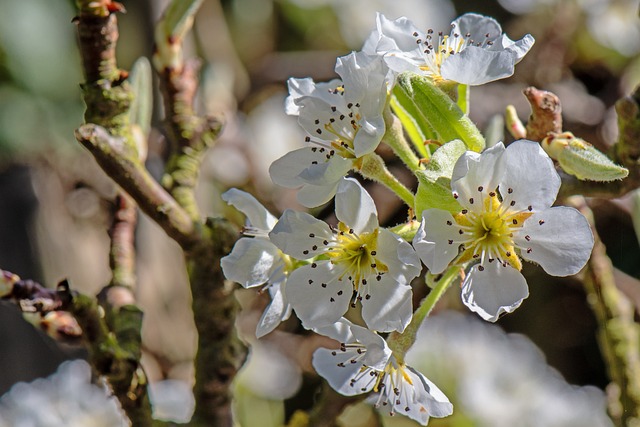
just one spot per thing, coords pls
(342, 125)
(486, 234)
(435, 52)
(390, 383)
(354, 254)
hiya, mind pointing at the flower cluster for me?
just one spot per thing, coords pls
(498, 209)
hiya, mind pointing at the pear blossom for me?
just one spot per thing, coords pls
(355, 261)
(506, 196)
(473, 53)
(256, 261)
(343, 119)
(507, 382)
(65, 399)
(364, 363)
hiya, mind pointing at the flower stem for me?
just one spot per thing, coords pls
(394, 138)
(400, 343)
(372, 167)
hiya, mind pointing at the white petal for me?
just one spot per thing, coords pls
(369, 135)
(529, 172)
(476, 66)
(308, 165)
(276, 312)
(311, 196)
(251, 262)
(317, 295)
(495, 290)
(355, 207)
(258, 216)
(378, 352)
(398, 255)
(560, 240)
(473, 170)
(478, 26)
(389, 306)
(339, 377)
(316, 112)
(431, 242)
(339, 331)
(307, 87)
(520, 47)
(292, 234)
(326, 171)
(297, 89)
(429, 396)
(399, 31)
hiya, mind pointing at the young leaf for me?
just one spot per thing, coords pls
(434, 183)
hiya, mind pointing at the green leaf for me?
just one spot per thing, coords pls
(414, 119)
(411, 127)
(579, 158)
(435, 107)
(434, 183)
(463, 97)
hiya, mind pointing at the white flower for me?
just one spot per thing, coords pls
(499, 379)
(475, 52)
(358, 261)
(65, 399)
(506, 196)
(255, 261)
(344, 121)
(365, 363)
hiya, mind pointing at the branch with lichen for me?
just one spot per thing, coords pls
(618, 333)
(114, 349)
(220, 352)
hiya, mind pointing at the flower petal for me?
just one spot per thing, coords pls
(477, 26)
(292, 234)
(476, 66)
(251, 262)
(389, 306)
(473, 170)
(378, 352)
(403, 262)
(318, 296)
(429, 396)
(495, 290)
(327, 171)
(559, 239)
(355, 207)
(530, 174)
(432, 241)
(368, 137)
(311, 196)
(339, 331)
(277, 311)
(258, 216)
(307, 87)
(340, 376)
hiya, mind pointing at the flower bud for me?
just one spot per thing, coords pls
(579, 158)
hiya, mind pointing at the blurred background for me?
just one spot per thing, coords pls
(55, 201)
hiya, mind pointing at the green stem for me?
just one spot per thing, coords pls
(372, 167)
(401, 343)
(394, 138)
